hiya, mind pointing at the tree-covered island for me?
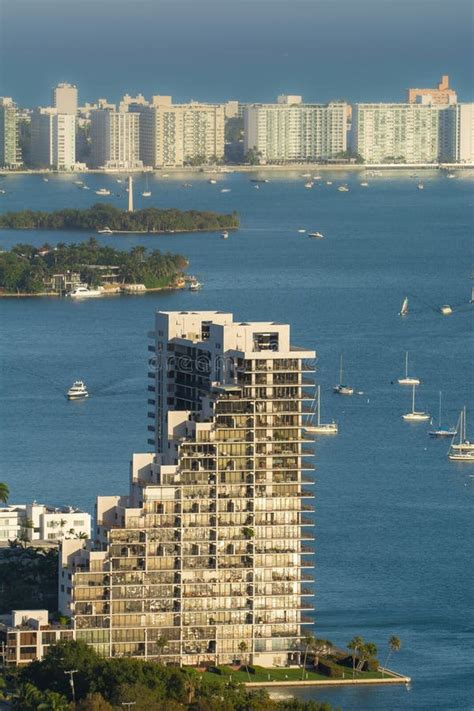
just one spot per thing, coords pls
(101, 216)
(38, 270)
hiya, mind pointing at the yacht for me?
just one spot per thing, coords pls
(445, 310)
(102, 191)
(462, 450)
(442, 431)
(318, 427)
(316, 235)
(404, 309)
(415, 415)
(343, 189)
(340, 388)
(77, 391)
(420, 186)
(105, 231)
(83, 292)
(407, 379)
(225, 235)
(195, 285)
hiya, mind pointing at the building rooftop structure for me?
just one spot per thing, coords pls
(441, 94)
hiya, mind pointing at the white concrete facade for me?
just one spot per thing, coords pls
(115, 139)
(37, 522)
(458, 134)
(53, 139)
(10, 153)
(292, 132)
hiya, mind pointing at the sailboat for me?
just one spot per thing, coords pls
(340, 388)
(319, 428)
(462, 451)
(442, 431)
(407, 380)
(404, 309)
(147, 191)
(414, 415)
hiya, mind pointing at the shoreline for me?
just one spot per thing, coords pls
(241, 168)
(395, 679)
(115, 293)
(123, 232)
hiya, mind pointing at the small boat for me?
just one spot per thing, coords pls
(2, 191)
(147, 191)
(364, 184)
(225, 190)
(259, 180)
(301, 231)
(77, 391)
(462, 451)
(316, 235)
(415, 415)
(195, 285)
(420, 186)
(408, 380)
(340, 388)
(105, 231)
(45, 180)
(328, 182)
(102, 191)
(328, 428)
(450, 176)
(225, 235)
(85, 187)
(257, 187)
(442, 431)
(79, 182)
(119, 180)
(404, 309)
(343, 189)
(316, 177)
(212, 181)
(309, 184)
(306, 175)
(446, 310)
(187, 185)
(83, 292)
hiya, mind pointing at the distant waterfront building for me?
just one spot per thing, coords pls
(64, 99)
(457, 134)
(391, 133)
(176, 134)
(114, 139)
(130, 103)
(206, 559)
(291, 131)
(37, 522)
(441, 95)
(26, 635)
(10, 154)
(53, 139)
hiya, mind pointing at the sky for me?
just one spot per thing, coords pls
(250, 50)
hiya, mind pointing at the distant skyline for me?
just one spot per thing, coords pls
(251, 50)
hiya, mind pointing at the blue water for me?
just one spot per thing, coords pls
(394, 516)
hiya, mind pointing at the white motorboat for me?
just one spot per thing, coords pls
(319, 427)
(225, 190)
(84, 292)
(79, 182)
(85, 187)
(195, 285)
(102, 191)
(105, 231)
(364, 184)
(302, 231)
(309, 184)
(45, 180)
(450, 176)
(225, 235)
(2, 191)
(77, 391)
(343, 189)
(445, 310)
(420, 186)
(316, 235)
(415, 415)
(404, 309)
(316, 177)
(442, 431)
(407, 379)
(328, 182)
(340, 388)
(212, 181)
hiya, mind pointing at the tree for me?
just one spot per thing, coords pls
(394, 645)
(253, 156)
(355, 645)
(4, 493)
(94, 702)
(308, 641)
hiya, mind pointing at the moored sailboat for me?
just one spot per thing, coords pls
(407, 380)
(319, 427)
(415, 415)
(340, 388)
(442, 431)
(462, 451)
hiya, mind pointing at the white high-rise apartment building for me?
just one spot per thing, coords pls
(207, 557)
(405, 133)
(53, 139)
(176, 134)
(292, 132)
(64, 98)
(10, 153)
(115, 139)
(457, 134)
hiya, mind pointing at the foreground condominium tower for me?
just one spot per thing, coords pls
(206, 559)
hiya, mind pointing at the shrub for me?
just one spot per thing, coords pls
(330, 669)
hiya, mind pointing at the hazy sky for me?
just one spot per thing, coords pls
(245, 49)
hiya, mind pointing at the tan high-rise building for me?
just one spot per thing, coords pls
(115, 139)
(64, 99)
(53, 139)
(441, 95)
(208, 557)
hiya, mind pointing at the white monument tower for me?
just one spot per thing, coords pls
(130, 194)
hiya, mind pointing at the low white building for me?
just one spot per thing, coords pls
(38, 522)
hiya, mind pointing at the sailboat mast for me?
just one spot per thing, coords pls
(439, 412)
(340, 369)
(319, 405)
(406, 364)
(413, 399)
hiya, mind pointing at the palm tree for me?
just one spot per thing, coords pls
(355, 645)
(309, 642)
(243, 648)
(4, 493)
(394, 645)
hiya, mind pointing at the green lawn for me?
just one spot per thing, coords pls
(283, 674)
